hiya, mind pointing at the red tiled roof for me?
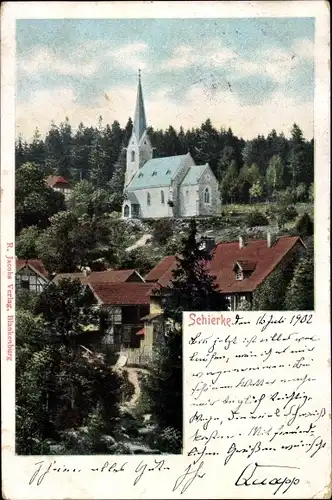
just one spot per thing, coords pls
(141, 331)
(34, 263)
(160, 269)
(52, 180)
(227, 254)
(112, 275)
(125, 294)
(108, 276)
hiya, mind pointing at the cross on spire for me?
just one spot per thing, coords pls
(139, 74)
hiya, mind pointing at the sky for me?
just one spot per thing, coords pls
(250, 74)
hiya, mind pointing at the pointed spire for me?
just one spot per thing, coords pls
(139, 121)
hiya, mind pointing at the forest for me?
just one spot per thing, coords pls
(247, 171)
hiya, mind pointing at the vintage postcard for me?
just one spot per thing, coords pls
(165, 288)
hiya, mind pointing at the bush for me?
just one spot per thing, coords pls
(288, 213)
(163, 231)
(256, 219)
(305, 225)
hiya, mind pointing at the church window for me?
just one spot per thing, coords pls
(207, 195)
(148, 199)
(126, 211)
(133, 156)
(162, 196)
(187, 194)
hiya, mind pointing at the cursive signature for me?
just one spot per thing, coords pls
(188, 477)
(246, 478)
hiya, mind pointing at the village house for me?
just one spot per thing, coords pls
(31, 275)
(123, 298)
(168, 186)
(60, 184)
(239, 269)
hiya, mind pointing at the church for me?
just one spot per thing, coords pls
(172, 186)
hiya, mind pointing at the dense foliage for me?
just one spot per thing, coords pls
(58, 388)
(246, 170)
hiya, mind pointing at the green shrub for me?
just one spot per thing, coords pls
(256, 219)
(305, 225)
(163, 231)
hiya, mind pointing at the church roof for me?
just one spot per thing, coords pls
(157, 172)
(140, 120)
(193, 175)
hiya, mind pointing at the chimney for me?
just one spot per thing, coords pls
(86, 271)
(270, 240)
(241, 242)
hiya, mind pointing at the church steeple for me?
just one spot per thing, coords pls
(140, 125)
(139, 149)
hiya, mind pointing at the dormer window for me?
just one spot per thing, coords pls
(239, 274)
(140, 175)
(154, 173)
(243, 269)
(133, 156)
(168, 172)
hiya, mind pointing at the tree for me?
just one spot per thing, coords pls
(36, 202)
(227, 156)
(116, 184)
(256, 190)
(229, 183)
(300, 292)
(36, 151)
(305, 226)
(192, 289)
(301, 192)
(73, 242)
(86, 199)
(66, 308)
(274, 174)
(26, 243)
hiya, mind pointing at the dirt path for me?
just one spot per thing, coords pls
(133, 377)
(139, 243)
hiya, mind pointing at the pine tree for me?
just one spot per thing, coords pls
(191, 289)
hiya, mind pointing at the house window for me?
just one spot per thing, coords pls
(239, 274)
(162, 196)
(133, 156)
(148, 199)
(207, 195)
(126, 211)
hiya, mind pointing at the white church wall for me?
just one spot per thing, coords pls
(156, 208)
(187, 162)
(188, 201)
(209, 181)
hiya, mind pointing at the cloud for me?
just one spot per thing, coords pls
(279, 64)
(131, 55)
(45, 61)
(213, 54)
(222, 107)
